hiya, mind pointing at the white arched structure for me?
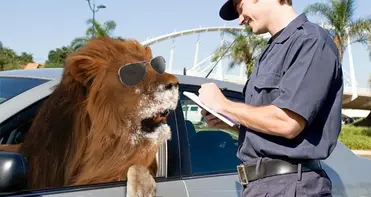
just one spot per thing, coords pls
(196, 70)
(192, 31)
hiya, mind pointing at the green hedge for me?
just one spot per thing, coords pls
(358, 138)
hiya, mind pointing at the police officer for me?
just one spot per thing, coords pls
(291, 117)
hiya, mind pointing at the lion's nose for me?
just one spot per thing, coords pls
(171, 81)
(171, 85)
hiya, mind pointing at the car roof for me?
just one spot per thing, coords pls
(56, 74)
(44, 73)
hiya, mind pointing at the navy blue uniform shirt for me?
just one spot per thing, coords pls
(299, 70)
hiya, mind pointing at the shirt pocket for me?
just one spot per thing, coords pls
(266, 88)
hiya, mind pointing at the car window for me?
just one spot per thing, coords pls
(211, 150)
(13, 130)
(13, 86)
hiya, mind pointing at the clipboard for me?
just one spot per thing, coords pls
(222, 117)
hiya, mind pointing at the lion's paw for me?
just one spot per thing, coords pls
(140, 183)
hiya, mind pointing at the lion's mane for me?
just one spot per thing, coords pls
(79, 136)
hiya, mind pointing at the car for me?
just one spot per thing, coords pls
(197, 160)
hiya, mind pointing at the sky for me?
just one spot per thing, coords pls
(39, 26)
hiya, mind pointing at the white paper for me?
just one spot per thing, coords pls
(222, 117)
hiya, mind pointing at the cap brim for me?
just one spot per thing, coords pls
(228, 11)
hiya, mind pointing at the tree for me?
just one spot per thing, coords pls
(57, 56)
(99, 31)
(246, 48)
(7, 56)
(342, 26)
(341, 23)
(25, 58)
(10, 60)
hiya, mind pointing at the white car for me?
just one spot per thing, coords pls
(188, 167)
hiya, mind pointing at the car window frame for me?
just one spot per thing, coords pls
(184, 142)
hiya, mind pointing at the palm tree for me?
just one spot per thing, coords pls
(245, 49)
(340, 18)
(99, 31)
(342, 25)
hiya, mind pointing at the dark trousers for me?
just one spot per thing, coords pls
(313, 184)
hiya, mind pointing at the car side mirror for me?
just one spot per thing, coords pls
(13, 171)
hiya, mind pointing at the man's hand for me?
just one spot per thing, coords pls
(211, 96)
(214, 122)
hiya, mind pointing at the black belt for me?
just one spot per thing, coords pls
(248, 173)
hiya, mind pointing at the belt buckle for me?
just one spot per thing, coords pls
(242, 174)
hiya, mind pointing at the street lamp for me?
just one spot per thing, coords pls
(94, 10)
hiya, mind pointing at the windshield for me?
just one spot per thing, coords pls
(13, 86)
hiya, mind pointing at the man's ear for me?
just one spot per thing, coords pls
(83, 68)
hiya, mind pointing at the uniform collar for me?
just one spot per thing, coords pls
(291, 28)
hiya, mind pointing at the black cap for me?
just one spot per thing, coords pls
(228, 12)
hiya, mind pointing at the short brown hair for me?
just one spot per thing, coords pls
(286, 1)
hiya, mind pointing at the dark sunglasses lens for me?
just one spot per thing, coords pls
(132, 74)
(158, 64)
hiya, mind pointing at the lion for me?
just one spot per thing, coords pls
(105, 121)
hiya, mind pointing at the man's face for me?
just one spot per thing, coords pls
(254, 13)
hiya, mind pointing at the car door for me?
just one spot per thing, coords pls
(168, 179)
(211, 159)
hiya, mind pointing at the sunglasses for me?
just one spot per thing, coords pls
(133, 73)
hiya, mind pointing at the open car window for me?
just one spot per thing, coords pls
(212, 150)
(13, 86)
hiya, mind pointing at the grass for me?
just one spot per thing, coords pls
(356, 138)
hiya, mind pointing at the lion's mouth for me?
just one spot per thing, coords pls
(149, 124)
(155, 114)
